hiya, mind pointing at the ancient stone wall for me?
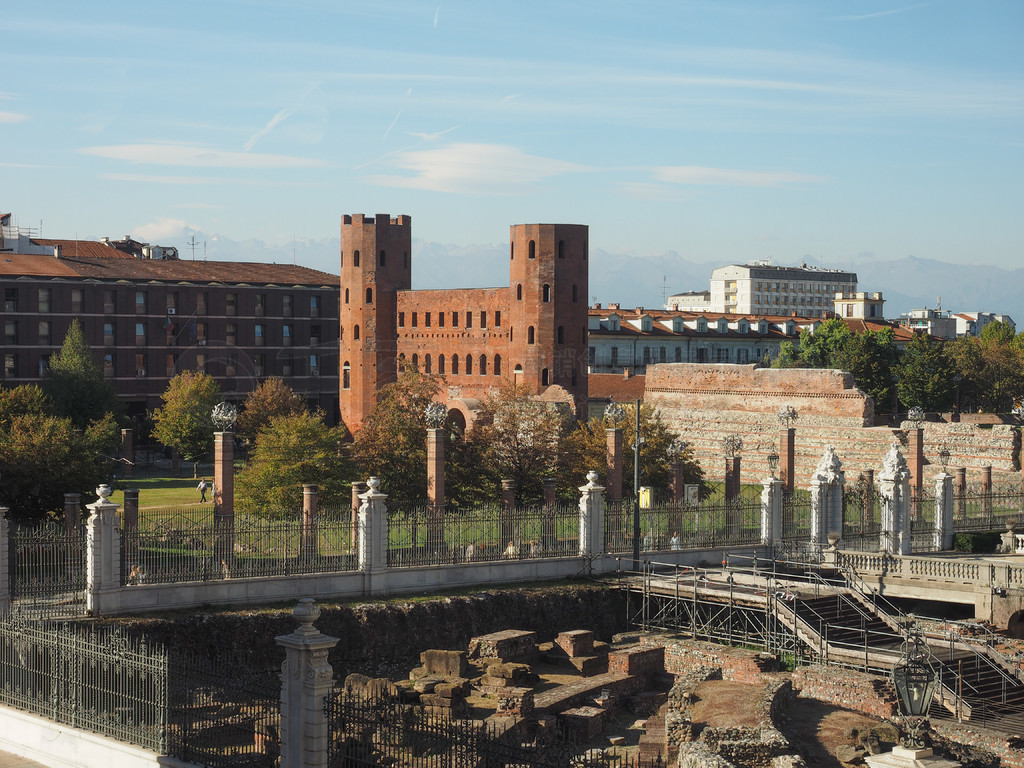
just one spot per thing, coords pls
(705, 403)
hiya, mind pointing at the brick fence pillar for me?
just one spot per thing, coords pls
(508, 505)
(915, 458)
(435, 489)
(130, 511)
(549, 536)
(306, 680)
(72, 512)
(103, 555)
(591, 517)
(732, 478)
(224, 497)
(613, 452)
(787, 454)
(986, 492)
(308, 534)
(127, 452)
(373, 536)
(894, 486)
(5, 567)
(961, 493)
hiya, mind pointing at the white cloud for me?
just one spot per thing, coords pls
(280, 117)
(473, 168)
(698, 175)
(164, 228)
(197, 156)
(12, 117)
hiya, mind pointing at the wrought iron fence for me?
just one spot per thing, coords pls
(196, 546)
(663, 527)
(47, 569)
(223, 713)
(374, 732)
(796, 515)
(98, 680)
(444, 535)
(977, 508)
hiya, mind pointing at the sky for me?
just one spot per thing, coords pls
(720, 130)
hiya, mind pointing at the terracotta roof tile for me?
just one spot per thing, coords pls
(615, 387)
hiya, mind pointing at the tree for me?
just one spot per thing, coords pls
(926, 375)
(821, 348)
(185, 422)
(521, 438)
(392, 441)
(271, 399)
(44, 455)
(289, 451)
(871, 357)
(75, 383)
(990, 369)
(788, 357)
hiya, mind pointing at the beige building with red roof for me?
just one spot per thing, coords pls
(149, 315)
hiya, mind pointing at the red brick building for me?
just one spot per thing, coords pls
(148, 315)
(534, 330)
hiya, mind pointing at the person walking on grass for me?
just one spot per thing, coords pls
(202, 490)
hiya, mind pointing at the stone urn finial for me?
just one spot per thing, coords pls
(103, 491)
(306, 612)
(592, 477)
(373, 484)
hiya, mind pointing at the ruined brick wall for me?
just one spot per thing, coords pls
(704, 403)
(694, 658)
(871, 694)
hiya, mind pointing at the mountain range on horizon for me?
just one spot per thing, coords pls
(906, 283)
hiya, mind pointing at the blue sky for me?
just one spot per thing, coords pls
(725, 130)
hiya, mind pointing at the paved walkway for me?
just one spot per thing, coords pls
(7, 760)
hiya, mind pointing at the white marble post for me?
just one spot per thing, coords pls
(591, 517)
(103, 554)
(827, 498)
(5, 568)
(771, 510)
(894, 487)
(373, 531)
(306, 679)
(942, 531)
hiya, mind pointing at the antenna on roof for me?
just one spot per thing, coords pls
(664, 290)
(192, 244)
(293, 249)
(204, 250)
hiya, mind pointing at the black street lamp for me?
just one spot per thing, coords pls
(915, 681)
(773, 462)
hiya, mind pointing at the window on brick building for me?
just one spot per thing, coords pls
(109, 303)
(230, 304)
(529, 335)
(369, 295)
(561, 334)
(497, 319)
(286, 336)
(483, 319)
(426, 319)
(346, 375)
(416, 362)
(483, 365)
(533, 249)
(455, 319)
(469, 319)
(314, 335)
(415, 319)
(561, 249)
(108, 365)
(355, 258)
(440, 364)
(455, 364)
(440, 319)
(401, 319)
(140, 302)
(11, 300)
(140, 334)
(544, 377)
(314, 306)
(45, 296)
(230, 333)
(497, 365)
(108, 335)
(511, 251)
(11, 332)
(355, 333)
(346, 295)
(546, 293)
(426, 364)
(469, 365)
(10, 365)
(76, 299)
(261, 303)
(383, 258)
(286, 305)
(260, 334)
(519, 293)
(140, 365)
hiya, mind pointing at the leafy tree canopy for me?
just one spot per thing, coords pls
(292, 450)
(185, 420)
(822, 347)
(75, 383)
(925, 375)
(871, 357)
(271, 399)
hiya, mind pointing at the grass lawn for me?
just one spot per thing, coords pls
(163, 491)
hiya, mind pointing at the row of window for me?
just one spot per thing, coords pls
(382, 259)
(191, 332)
(531, 250)
(660, 355)
(808, 287)
(226, 364)
(428, 318)
(81, 299)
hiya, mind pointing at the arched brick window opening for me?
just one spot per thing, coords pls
(455, 365)
(343, 258)
(483, 365)
(355, 333)
(544, 377)
(561, 334)
(346, 295)
(511, 251)
(497, 365)
(440, 363)
(405, 259)
(575, 294)
(416, 362)
(346, 374)
(561, 249)
(469, 364)
(355, 258)
(426, 363)
(529, 335)
(546, 293)
(533, 250)
(369, 295)
(383, 258)
(519, 292)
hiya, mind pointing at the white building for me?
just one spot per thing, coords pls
(972, 323)
(762, 288)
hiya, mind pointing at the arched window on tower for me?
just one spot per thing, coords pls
(355, 258)
(346, 295)
(469, 364)
(544, 377)
(575, 294)
(561, 249)
(529, 335)
(369, 295)
(561, 334)
(497, 365)
(383, 258)
(346, 375)
(546, 293)
(355, 333)
(455, 365)
(511, 251)
(342, 258)
(405, 259)
(483, 365)
(533, 250)
(440, 364)
(415, 362)
(519, 292)
(426, 364)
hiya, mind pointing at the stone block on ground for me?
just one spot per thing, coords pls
(445, 663)
(507, 645)
(640, 661)
(516, 702)
(576, 642)
(583, 724)
(588, 666)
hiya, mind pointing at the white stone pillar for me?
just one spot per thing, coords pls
(894, 487)
(591, 517)
(942, 531)
(103, 554)
(771, 510)
(827, 498)
(5, 567)
(306, 680)
(373, 534)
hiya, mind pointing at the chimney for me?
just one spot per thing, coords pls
(597, 305)
(56, 251)
(627, 373)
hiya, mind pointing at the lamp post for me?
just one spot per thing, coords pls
(915, 681)
(916, 416)
(637, 442)
(944, 457)
(773, 462)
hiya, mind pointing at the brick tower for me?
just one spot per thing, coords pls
(375, 263)
(548, 307)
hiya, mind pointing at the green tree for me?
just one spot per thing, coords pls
(185, 421)
(991, 369)
(926, 375)
(44, 455)
(271, 399)
(788, 357)
(521, 438)
(392, 441)
(822, 347)
(289, 451)
(871, 357)
(75, 383)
